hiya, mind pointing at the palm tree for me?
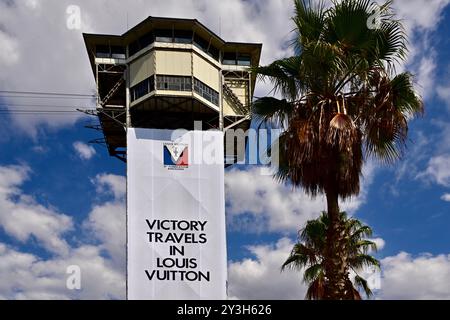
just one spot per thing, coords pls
(308, 254)
(341, 102)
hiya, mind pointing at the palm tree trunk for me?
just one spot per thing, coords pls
(335, 258)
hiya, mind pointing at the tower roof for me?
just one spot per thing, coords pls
(152, 23)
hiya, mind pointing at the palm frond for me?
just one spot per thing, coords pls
(366, 246)
(386, 117)
(271, 109)
(362, 283)
(284, 75)
(316, 290)
(405, 98)
(309, 19)
(300, 256)
(308, 254)
(361, 232)
(347, 26)
(361, 260)
(312, 273)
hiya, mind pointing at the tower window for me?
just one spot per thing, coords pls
(243, 60)
(229, 58)
(183, 36)
(164, 35)
(206, 92)
(173, 83)
(142, 88)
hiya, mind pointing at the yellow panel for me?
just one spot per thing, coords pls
(227, 110)
(173, 63)
(240, 89)
(241, 93)
(142, 68)
(206, 72)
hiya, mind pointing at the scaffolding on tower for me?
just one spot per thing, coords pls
(166, 73)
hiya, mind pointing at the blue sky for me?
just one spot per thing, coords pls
(61, 205)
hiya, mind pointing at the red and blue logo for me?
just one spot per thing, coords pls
(176, 156)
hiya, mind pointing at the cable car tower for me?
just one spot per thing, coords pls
(166, 73)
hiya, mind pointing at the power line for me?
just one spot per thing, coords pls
(49, 97)
(37, 105)
(61, 115)
(37, 111)
(4, 114)
(48, 93)
(40, 109)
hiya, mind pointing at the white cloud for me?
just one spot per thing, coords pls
(420, 20)
(443, 93)
(39, 149)
(9, 55)
(101, 256)
(30, 277)
(34, 36)
(258, 203)
(403, 276)
(112, 184)
(35, 41)
(22, 217)
(33, 4)
(425, 75)
(106, 221)
(261, 277)
(421, 15)
(26, 276)
(438, 170)
(84, 151)
(423, 277)
(283, 210)
(379, 242)
(47, 57)
(446, 197)
(409, 166)
(271, 206)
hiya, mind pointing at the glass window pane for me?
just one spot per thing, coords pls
(201, 43)
(229, 58)
(183, 36)
(102, 51)
(163, 35)
(214, 52)
(206, 92)
(133, 48)
(117, 52)
(140, 90)
(146, 40)
(244, 60)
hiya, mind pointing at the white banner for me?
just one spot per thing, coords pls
(175, 215)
